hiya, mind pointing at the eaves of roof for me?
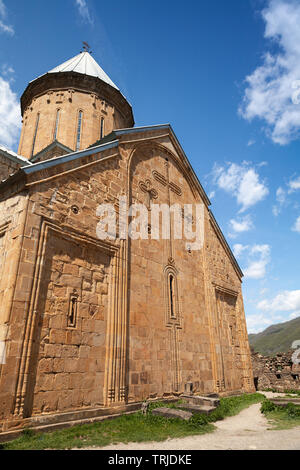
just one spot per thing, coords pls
(14, 156)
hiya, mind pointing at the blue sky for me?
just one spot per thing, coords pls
(226, 75)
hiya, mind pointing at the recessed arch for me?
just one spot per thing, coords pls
(169, 157)
(172, 299)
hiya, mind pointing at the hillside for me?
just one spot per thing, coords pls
(276, 338)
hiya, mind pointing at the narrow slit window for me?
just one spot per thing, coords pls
(172, 296)
(231, 334)
(79, 127)
(56, 124)
(72, 315)
(35, 133)
(102, 128)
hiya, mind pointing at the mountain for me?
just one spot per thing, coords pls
(276, 338)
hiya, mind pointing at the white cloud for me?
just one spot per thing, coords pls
(2, 9)
(6, 70)
(250, 142)
(263, 291)
(84, 11)
(10, 116)
(284, 301)
(296, 226)
(5, 28)
(294, 185)
(242, 181)
(258, 322)
(273, 89)
(282, 195)
(256, 257)
(294, 315)
(283, 307)
(257, 266)
(281, 200)
(238, 249)
(243, 224)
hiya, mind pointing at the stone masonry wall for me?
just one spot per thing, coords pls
(232, 362)
(7, 167)
(69, 104)
(276, 372)
(12, 224)
(91, 321)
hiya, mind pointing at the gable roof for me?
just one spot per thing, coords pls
(68, 157)
(22, 161)
(49, 147)
(85, 64)
(110, 141)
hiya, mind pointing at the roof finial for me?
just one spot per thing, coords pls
(86, 47)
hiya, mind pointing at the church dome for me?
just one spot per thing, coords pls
(75, 103)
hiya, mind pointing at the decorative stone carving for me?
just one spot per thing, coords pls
(146, 187)
(163, 180)
(175, 189)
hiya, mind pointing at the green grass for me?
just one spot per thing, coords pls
(132, 428)
(281, 417)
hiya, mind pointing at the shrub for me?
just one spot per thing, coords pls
(292, 410)
(267, 406)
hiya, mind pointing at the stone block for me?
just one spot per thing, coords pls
(172, 413)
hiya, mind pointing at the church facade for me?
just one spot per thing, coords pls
(88, 323)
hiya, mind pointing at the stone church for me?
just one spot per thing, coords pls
(90, 326)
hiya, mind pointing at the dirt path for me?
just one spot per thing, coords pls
(249, 430)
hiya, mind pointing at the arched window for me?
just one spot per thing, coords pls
(171, 294)
(56, 124)
(102, 128)
(35, 133)
(79, 128)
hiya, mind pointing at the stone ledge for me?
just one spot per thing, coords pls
(11, 435)
(201, 409)
(11, 429)
(172, 413)
(281, 401)
(201, 400)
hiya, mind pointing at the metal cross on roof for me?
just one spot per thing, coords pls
(86, 47)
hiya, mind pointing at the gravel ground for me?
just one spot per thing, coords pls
(249, 430)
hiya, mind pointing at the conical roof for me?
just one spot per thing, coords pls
(84, 63)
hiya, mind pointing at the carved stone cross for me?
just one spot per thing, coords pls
(151, 192)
